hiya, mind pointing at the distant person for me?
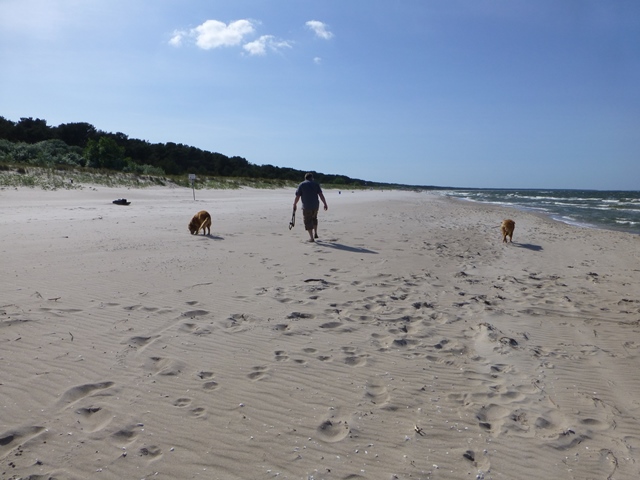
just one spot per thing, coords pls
(311, 194)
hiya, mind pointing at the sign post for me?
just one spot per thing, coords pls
(192, 179)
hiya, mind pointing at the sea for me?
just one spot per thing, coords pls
(609, 210)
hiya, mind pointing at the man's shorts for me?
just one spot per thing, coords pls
(310, 219)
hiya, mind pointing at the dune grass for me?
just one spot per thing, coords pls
(63, 178)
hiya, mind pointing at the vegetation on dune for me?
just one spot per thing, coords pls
(70, 178)
(35, 154)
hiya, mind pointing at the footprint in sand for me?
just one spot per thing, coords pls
(353, 359)
(14, 438)
(404, 342)
(195, 329)
(125, 436)
(333, 431)
(330, 325)
(288, 300)
(140, 342)
(163, 366)
(152, 451)
(259, 373)
(81, 391)
(240, 322)
(93, 418)
(451, 347)
(198, 412)
(356, 360)
(381, 341)
(187, 327)
(300, 315)
(281, 356)
(376, 392)
(210, 385)
(195, 313)
(492, 416)
(182, 402)
(499, 368)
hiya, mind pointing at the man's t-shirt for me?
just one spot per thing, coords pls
(309, 191)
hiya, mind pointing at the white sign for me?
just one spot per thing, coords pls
(192, 178)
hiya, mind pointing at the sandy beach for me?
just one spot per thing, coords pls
(409, 342)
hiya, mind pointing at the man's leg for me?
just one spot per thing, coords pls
(315, 224)
(309, 216)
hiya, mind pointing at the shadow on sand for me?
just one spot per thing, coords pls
(213, 237)
(346, 248)
(528, 246)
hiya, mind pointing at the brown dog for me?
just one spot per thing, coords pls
(507, 228)
(200, 221)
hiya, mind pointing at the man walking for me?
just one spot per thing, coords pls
(311, 194)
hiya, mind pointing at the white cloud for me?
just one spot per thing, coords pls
(260, 46)
(320, 29)
(215, 34)
(176, 40)
(257, 47)
(317, 60)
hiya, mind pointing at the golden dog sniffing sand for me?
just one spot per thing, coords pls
(507, 230)
(200, 221)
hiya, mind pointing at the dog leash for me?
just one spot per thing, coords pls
(292, 223)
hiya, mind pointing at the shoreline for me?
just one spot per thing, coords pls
(409, 341)
(556, 217)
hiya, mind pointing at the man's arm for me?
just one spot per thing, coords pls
(295, 202)
(321, 195)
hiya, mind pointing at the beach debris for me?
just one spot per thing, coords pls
(419, 430)
(121, 201)
(469, 455)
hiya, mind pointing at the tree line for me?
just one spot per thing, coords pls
(80, 144)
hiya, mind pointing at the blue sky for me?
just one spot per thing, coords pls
(469, 93)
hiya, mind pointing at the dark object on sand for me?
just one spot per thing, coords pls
(292, 223)
(121, 201)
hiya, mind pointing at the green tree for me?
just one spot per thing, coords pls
(29, 130)
(77, 134)
(105, 153)
(6, 129)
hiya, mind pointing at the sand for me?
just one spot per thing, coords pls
(408, 343)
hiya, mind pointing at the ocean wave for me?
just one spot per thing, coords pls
(615, 210)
